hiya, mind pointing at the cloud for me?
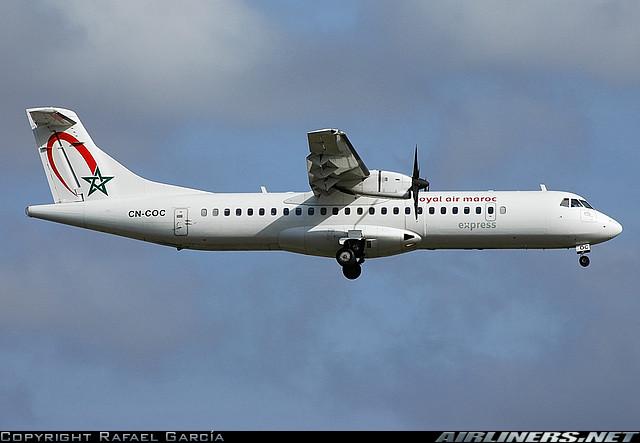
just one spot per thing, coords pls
(91, 311)
(593, 38)
(243, 62)
(151, 57)
(482, 129)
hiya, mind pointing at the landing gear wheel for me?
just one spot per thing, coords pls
(346, 257)
(352, 272)
(584, 261)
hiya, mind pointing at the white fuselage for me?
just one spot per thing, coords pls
(316, 225)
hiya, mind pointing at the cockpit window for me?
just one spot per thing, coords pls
(565, 202)
(586, 204)
(575, 203)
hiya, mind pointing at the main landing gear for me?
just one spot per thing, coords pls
(351, 257)
(582, 252)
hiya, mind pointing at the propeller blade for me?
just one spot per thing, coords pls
(417, 183)
(415, 201)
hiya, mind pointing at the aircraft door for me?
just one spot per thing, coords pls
(490, 211)
(418, 225)
(180, 225)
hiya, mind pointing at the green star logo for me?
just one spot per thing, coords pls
(97, 182)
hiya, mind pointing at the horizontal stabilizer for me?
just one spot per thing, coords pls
(50, 118)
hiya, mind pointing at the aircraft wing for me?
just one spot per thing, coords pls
(333, 163)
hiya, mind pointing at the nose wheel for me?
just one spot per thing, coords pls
(582, 252)
(350, 257)
(584, 261)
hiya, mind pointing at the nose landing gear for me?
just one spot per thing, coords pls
(350, 257)
(584, 261)
(582, 252)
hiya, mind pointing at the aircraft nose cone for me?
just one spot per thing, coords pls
(611, 228)
(616, 228)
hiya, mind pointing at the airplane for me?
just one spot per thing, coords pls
(351, 213)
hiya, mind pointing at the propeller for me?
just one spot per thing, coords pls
(417, 183)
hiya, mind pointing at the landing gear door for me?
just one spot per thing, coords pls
(180, 225)
(490, 211)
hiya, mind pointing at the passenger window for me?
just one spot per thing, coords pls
(347, 211)
(585, 204)
(443, 210)
(227, 212)
(298, 211)
(250, 212)
(407, 210)
(334, 211)
(261, 211)
(285, 211)
(274, 211)
(454, 209)
(466, 209)
(565, 202)
(503, 209)
(383, 211)
(478, 210)
(238, 212)
(203, 212)
(215, 212)
(396, 211)
(419, 210)
(432, 210)
(575, 203)
(360, 210)
(323, 211)
(310, 211)
(372, 210)
(490, 209)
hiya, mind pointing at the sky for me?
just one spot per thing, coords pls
(103, 332)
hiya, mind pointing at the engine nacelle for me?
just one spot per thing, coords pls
(383, 184)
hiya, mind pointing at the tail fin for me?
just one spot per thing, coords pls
(77, 170)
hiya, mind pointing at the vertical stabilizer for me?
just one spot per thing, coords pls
(76, 169)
